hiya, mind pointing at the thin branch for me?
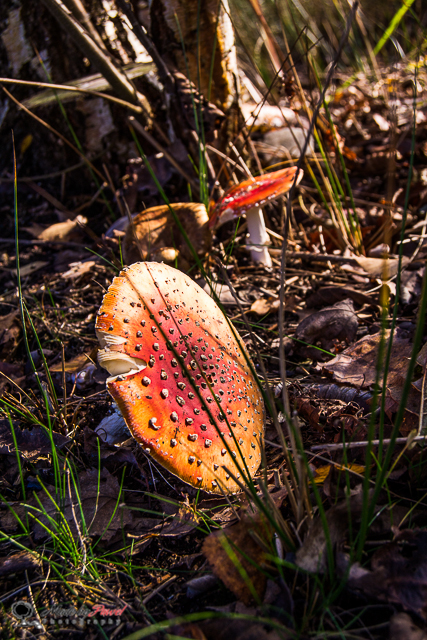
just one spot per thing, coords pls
(337, 446)
(64, 87)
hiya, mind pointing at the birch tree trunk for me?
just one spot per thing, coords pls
(197, 38)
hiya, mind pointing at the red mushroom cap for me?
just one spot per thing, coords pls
(254, 192)
(180, 376)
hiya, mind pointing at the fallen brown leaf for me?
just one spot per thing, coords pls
(403, 628)
(357, 364)
(326, 328)
(262, 306)
(78, 269)
(398, 572)
(227, 552)
(60, 231)
(380, 268)
(313, 555)
(31, 444)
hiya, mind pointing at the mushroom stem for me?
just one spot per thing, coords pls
(258, 236)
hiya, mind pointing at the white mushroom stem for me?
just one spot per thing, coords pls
(258, 236)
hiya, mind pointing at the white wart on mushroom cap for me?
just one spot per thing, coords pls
(180, 376)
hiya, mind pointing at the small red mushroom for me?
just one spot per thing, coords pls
(180, 376)
(248, 197)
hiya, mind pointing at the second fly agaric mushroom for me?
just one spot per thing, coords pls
(181, 377)
(153, 233)
(248, 197)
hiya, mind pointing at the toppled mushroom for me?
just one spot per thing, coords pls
(180, 375)
(248, 197)
(154, 234)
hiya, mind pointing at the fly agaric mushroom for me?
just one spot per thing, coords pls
(180, 376)
(154, 235)
(248, 197)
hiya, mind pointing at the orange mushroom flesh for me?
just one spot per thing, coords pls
(181, 377)
(248, 197)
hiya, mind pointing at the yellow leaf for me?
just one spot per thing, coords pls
(26, 143)
(322, 472)
(261, 307)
